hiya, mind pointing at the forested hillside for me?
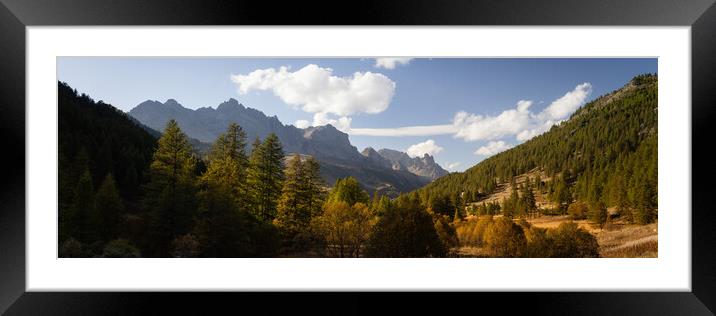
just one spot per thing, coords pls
(606, 153)
(97, 139)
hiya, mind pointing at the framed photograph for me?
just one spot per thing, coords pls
(547, 149)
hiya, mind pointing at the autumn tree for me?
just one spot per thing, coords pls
(406, 230)
(345, 228)
(348, 190)
(504, 238)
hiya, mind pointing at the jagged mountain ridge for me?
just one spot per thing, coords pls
(424, 166)
(331, 147)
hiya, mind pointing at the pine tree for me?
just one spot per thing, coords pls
(81, 209)
(108, 209)
(528, 199)
(292, 212)
(171, 190)
(561, 195)
(265, 177)
(222, 222)
(228, 163)
(313, 185)
(598, 213)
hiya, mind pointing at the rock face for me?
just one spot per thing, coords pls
(422, 166)
(375, 158)
(331, 147)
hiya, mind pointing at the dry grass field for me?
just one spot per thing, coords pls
(616, 239)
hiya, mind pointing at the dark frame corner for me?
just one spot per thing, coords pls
(15, 15)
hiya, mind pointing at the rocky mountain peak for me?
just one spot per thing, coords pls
(231, 104)
(422, 166)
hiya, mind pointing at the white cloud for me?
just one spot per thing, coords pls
(342, 124)
(472, 127)
(557, 111)
(302, 124)
(492, 148)
(316, 90)
(568, 103)
(452, 166)
(427, 147)
(391, 62)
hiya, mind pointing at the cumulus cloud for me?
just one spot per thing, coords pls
(492, 148)
(564, 106)
(342, 123)
(391, 62)
(316, 90)
(453, 165)
(521, 122)
(427, 147)
(472, 127)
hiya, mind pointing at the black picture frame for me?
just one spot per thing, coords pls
(15, 15)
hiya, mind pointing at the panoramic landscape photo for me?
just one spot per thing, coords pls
(379, 157)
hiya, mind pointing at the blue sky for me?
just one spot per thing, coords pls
(460, 110)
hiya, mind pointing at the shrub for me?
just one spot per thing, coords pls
(570, 241)
(71, 248)
(504, 238)
(539, 244)
(185, 246)
(578, 210)
(120, 248)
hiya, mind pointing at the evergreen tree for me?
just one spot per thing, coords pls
(223, 225)
(313, 186)
(108, 209)
(170, 193)
(293, 214)
(228, 163)
(265, 177)
(562, 195)
(598, 213)
(81, 209)
(528, 199)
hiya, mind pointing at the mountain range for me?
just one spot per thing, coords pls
(386, 171)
